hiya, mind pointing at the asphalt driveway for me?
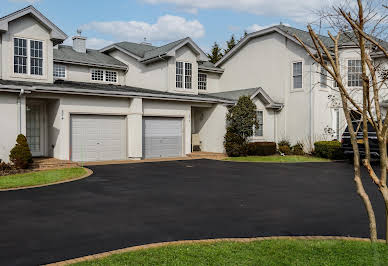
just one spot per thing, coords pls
(127, 205)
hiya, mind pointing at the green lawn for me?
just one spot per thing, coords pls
(40, 178)
(278, 159)
(270, 252)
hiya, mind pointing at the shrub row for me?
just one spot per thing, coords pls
(20, 157)
(328, 149)
(286, 148)
(261, 148)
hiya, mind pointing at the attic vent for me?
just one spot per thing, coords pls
(145, 42)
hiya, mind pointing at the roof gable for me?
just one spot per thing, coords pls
(56, 34)
(148, 53)
(285, 31)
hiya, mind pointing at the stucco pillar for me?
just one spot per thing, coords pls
(135, 129)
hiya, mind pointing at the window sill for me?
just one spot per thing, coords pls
(297, 90)
(28, 76)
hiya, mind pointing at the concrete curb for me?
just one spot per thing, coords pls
(88, 173)
(205, 241)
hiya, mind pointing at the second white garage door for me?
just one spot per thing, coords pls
(162, 137)
(98, 138)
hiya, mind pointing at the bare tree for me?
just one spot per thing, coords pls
(360, 21)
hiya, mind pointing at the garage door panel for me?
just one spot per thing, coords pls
(163, 137)
(98, 137)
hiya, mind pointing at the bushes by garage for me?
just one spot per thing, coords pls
(261, 148)
(328, 149)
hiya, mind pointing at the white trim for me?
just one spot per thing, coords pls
(184, 76)
(45, 62)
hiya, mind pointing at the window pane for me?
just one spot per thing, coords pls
(188, 75)
(36, 60)
(111, 76)
(59, 71)
(97, 74)
(297, 75)
(179, 74)
(202, 81)
(258, 131)
(20, 56)
(354, 73)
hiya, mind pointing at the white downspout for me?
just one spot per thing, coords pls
(311, 106)
(20, 110)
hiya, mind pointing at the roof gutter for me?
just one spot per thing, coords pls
(89, 64)
(152, 59)
(127, 94)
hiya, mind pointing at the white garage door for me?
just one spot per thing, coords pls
(98, 138)
(162, 137)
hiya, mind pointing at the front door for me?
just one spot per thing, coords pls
(35, 128)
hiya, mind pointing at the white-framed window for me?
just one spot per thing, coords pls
(188, 75)
(202, 81)
(104, 75)
(20, 56)
(28, 57)
(258, 131)
(59, 71)
(354, 73)
(323, 77)
(297, 77)
(179, 75)
(111, 76)
(97, 74)
(184, 73)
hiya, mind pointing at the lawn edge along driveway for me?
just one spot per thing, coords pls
(44, 178)
(278, 159)
(149, 251)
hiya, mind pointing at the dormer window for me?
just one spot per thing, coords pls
(104, 75)
(28, 57)
(59, 71)
(184, 72)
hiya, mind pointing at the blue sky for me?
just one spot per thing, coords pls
(162, 21)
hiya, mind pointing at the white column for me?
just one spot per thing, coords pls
(135, 129)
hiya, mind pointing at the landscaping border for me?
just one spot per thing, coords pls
(88, 173)
(205, 241)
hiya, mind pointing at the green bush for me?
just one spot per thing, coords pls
(284, 142)
(261, 148)
(20, 155)
(235, 145)
(298, 149)
(328, 149)
(285, 149)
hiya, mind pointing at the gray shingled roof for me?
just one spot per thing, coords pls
(65, 53)
(159, 51)
(304, 35)
(208, 65)
(138, 49)
(235, 94)
(108, 90)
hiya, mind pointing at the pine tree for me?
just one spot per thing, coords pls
(216, 53)
(230, 44)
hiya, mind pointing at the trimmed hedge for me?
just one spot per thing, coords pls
(235, 145)
(261, 148)
(20, 155)
(329, 149)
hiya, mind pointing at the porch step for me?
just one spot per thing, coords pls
(52, 163)
(207, 155)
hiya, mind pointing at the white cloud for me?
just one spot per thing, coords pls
(166, 28)
(256, 27)
(294, 9)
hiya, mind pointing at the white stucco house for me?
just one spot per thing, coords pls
(136, 100)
